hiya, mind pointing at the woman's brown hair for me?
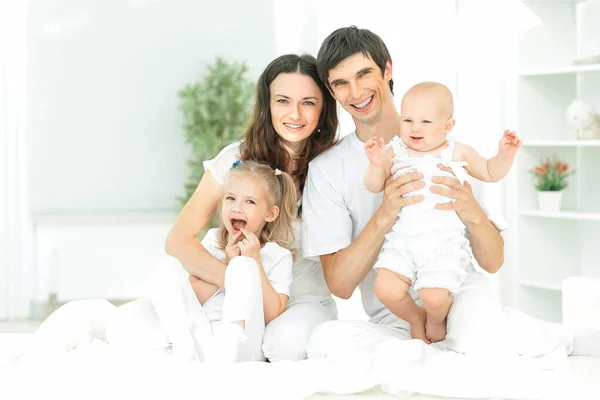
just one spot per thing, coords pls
(262, 143)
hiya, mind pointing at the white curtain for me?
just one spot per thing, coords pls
(16, 278)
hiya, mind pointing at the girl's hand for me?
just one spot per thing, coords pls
(232, 249)
(375, 150)
(250, 246)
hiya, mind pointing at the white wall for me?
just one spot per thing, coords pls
(104, 126)
(16, 259)
(419, 35)
(104, 132)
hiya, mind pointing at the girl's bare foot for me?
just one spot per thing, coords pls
(417, 330)
(435, 332)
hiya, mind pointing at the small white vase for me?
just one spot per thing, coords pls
(549, 201)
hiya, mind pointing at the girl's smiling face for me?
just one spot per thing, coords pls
(246, 205)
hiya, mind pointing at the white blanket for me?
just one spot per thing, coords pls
(96, 370)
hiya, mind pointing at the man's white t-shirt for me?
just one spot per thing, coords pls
(337, 206)
(308, 283)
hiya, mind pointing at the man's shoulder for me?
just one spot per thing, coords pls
(325, 160)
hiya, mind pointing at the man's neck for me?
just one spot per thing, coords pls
(386, 127)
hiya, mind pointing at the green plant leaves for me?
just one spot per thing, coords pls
(215, 112)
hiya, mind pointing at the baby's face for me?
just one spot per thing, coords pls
(424, 125)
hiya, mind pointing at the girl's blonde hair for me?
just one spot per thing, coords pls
(280, 191)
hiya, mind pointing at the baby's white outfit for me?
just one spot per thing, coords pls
(191, 326)
(427, 245)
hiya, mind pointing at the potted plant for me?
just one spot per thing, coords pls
(215, 111)
(550, 179)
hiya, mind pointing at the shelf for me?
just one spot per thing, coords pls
(561, 143)
(542, 285)
(574, 215)
(541, 72)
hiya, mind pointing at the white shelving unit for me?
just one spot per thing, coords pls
(546, 247)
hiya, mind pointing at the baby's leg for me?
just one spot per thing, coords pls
(439, 277)
(437, 302)
(392, 290)
(202, 289)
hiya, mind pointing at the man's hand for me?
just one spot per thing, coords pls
(466, 206)
(376, 152)
(232, 249)
(393, 196)
(509, 144)
(250, 246)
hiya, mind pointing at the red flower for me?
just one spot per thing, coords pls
(561, 168)
(542, 170)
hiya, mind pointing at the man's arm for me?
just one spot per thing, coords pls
(486, 242)
(487, 245)
(345, 269)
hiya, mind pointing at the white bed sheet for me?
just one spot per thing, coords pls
(395, 370)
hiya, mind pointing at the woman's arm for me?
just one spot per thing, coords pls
(202, 290)
(181, 242)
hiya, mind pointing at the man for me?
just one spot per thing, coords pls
(345, 224)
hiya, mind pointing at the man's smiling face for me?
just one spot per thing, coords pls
(359, 86)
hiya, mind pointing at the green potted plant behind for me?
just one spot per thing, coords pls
(215, 111)
(550, 179)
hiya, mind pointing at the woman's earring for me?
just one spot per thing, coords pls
(319, 130)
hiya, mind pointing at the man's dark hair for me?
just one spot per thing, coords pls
(344, 42)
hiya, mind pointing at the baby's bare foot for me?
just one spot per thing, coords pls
(435, 332)
(417, 330)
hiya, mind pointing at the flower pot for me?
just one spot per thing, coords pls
(549, 201)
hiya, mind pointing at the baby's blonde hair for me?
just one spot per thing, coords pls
(280, 191)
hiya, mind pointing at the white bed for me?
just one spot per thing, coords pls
(395, 369)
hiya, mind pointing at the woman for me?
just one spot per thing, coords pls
(294, 120)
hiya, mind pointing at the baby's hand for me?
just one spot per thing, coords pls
(509, 144)
(375, 150)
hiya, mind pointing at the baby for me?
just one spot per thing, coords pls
(427, 248)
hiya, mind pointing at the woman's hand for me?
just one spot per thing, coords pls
(232, 249)
(465, 205)
(250, 245)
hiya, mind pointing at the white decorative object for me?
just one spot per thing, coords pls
(549, 201)
(583, 120)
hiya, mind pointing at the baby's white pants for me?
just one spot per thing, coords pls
(438, 259)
